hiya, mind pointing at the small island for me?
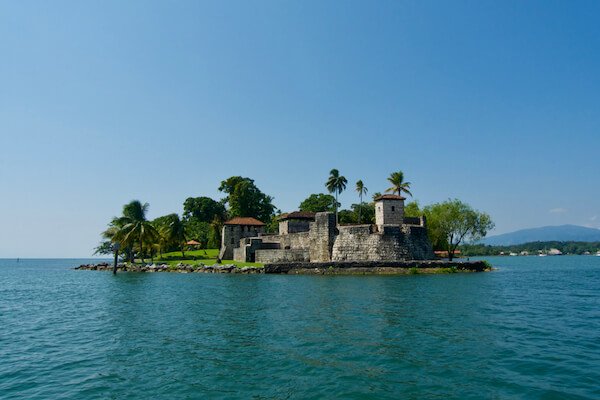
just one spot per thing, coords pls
(313, 240)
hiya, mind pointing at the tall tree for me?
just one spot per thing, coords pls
(172, 232)
(451, 222)
(246, 200)
(398, 184)
(319, 202)
(336, 184)
(366, 212)
(411, 209)
(202, 209)
(133, 229)
(362, 190)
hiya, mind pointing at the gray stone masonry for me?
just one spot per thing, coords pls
(357, 243)
(294, 255)
(293, 226)
(292, 241)
(322, 235)
(231, 236)
(389, 212)
(324, 242)
(247, 249)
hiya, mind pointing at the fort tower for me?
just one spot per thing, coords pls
(389, 210)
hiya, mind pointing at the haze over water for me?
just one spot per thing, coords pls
(531, 329)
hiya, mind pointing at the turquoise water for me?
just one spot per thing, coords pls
(530, 330)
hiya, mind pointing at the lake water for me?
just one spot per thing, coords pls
(530, 330)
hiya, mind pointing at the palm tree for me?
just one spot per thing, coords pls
(336, 184)
(398, 184)
(111, 234)
(362, 190)
(133, 229)
(173, 232)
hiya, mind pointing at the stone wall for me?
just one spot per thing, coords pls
(293, 226)
(419, 245)
(389, 212)
(231, 236)
(418, 221)
(248, 246)
(324, 242)
(275, 256)
(321, 237)
(357, 243)
(292, 241)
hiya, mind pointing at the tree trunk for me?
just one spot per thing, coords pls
(451, 252)
(142, 250)
(116, 260)
(360, 209)
(336, 208)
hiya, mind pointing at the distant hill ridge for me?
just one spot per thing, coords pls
(561, 233)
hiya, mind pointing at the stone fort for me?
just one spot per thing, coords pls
(315, 237)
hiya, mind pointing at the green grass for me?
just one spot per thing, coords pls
(195, 257)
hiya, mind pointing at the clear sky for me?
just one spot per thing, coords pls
(101, 102)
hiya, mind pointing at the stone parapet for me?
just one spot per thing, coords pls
(273, 256)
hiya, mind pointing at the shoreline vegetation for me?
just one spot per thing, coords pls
(306, 268)
(531, 249)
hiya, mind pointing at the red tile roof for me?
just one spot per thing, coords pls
(244, 221)
(389, 197)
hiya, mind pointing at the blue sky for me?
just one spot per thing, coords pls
(101, 102)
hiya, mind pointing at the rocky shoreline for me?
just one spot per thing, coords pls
(179, 268)
(378, 267)
(306, 268)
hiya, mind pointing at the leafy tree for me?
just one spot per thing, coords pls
(362, 190)
(214, 235)
(246, 200)
(376, 195)
(451, 222)
(172, 232)
(202, 209)
(133, 229)
(336, 184)
(347, 217)
(105, 247)
(398, 184)
(366, 212)
(411, 209)
(319, 203)
(198, 231)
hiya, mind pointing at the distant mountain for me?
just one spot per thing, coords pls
(562, 233)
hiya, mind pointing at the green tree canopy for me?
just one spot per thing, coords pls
(246, 200)
(398, 184)
(412, 209)
(365, 212)
(319, 202)
(132, 230)
(452, 221)
(347, 217)
(198, 230)
(172, 232)
(203, 209)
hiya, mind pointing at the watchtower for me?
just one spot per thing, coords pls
(236, 229)
(389, 210)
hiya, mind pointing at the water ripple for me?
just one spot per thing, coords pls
(529, 330)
